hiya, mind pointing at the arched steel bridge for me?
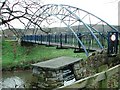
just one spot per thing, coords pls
(69, 16)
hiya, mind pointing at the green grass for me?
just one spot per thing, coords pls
(16, 55)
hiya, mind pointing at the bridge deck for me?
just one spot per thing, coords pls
(63, 45)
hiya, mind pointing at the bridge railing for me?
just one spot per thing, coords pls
(61, 40)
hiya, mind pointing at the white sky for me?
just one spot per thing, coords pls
(105, 9)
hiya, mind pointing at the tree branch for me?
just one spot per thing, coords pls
(9, 12)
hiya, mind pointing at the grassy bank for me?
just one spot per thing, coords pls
(15, 56)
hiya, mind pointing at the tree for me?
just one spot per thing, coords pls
(21, 10)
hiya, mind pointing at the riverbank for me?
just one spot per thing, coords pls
(17, 57)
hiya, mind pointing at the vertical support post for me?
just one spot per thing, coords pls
(77, 50)
(49, 36)
(86, 38)
(41, 38)
(45, 39)
(103, 83)
(26, 38)
(38, 39)
(79, 36)
(92, 41)
(29, 38)
(60, 40)
(65, 38)
(35, 38)
(22, 38)
(72, 39)
(89, 41)
(32, 37)
(48, 39)
(55, 38)
(68, 38)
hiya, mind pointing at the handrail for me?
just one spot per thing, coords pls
(99, 77)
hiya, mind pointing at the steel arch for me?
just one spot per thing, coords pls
(44, 8)
(65, 11)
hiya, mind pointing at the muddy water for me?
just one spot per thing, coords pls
(17, 79)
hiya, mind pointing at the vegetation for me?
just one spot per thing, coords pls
(15, 56)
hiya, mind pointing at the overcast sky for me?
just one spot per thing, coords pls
(105, 9)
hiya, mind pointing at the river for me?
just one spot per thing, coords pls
(16, 79)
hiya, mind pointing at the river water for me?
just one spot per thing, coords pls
(16, 79)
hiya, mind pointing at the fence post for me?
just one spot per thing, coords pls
(48, 39)
(103, 82)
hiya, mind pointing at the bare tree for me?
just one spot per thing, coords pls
(17, 10)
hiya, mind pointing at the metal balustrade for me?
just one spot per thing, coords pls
(62, 40)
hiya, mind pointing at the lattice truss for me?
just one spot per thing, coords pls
(68, 16)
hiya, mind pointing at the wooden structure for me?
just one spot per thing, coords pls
(56, 72)
(99, 79)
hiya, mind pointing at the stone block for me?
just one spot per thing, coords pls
(54, 74)
(41, 86)
(76, 65)
(52, 79)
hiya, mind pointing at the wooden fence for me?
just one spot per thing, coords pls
(99, 78)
